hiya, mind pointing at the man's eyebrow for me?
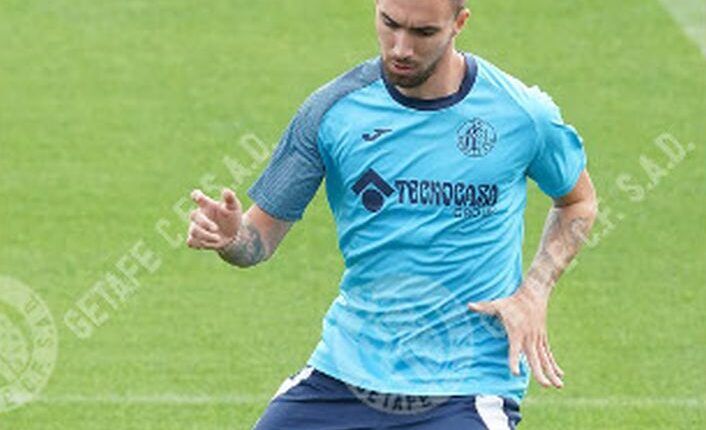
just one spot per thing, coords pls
(388, 18)
(424, 28)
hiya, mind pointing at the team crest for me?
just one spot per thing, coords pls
(476, 138)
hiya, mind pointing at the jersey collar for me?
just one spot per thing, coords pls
(440, 103)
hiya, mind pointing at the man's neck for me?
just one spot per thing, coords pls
(445, 81)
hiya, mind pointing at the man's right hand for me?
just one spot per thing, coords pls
(214, 224)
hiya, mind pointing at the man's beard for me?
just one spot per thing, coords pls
(413, 80)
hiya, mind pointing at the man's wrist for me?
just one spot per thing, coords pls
(245, 249)
(233, 242)
(536, 288)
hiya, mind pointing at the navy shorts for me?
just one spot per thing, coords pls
(312, 400)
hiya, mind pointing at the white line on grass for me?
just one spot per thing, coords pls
(153, 399)
(691, 16)
(619, 402)
(168, 399)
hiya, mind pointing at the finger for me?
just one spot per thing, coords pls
(193, 243)
(552, 360)
(202, 199)
(231, 201)
(197, 243)
(514, 357)
(535, 365)
(203, 236)
(487, 308)
(547, 366)
(199, 218)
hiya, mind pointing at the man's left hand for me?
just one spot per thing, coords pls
(524, 316)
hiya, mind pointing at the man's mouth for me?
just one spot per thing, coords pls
(401, 68)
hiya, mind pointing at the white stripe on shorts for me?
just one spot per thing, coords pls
(490, 409)
(292, 382)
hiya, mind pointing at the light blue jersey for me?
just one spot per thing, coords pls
(428, 198)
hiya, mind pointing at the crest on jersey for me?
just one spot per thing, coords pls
(476, 138)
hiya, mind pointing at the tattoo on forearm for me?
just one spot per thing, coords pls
(564, 233)
(247, 250)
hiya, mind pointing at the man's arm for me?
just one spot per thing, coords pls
(257, 239)
(524, 313)
(241, 240)
(567, 226)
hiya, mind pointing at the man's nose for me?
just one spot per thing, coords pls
(403, 45)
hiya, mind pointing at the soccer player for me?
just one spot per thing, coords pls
(426, 153)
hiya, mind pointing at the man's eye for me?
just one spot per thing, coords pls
(390, 24)
(426, 33)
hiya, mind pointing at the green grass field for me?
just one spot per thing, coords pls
(112, 111)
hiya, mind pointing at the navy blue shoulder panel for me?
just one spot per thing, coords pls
(316, 106)
(296, 169)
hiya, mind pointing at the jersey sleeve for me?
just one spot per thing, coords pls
(560, 157)
(295, 170)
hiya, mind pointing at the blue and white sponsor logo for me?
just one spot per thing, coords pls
(467, 200)
(374, 190)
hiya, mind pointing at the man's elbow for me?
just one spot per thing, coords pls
(590, 200)
(583, 196)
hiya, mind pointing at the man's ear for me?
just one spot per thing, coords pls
(461, 20)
